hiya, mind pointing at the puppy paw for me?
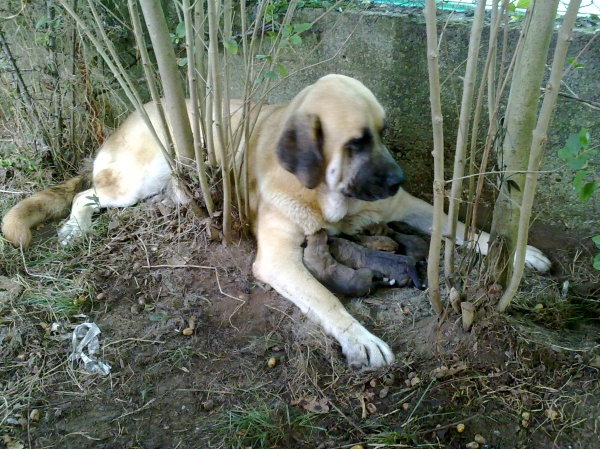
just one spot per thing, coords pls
(534, 258)
(363, 349)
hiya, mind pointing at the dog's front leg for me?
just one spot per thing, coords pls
(419, 214)
(279, 263)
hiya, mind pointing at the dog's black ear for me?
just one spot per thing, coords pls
(300, 149)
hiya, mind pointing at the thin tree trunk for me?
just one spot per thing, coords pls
(174, 98)
(520, 121)
(462, 137)
(438, 157)
(539, 141)
(195, 109)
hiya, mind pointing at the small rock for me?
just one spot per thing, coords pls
(415, 381)
(188, 331)
(371, 408)
(538, 307)
(388, 379)
(405, 310)
(137, 266)
(272, 362)
(479, 439)
(384, 392)
(551, 414)
(405, 406)
(357, 446)
(34, 415)
(373, 383)
(136, 309)
(472, 445)
(244, 296)
(100, 296)
(460, 428)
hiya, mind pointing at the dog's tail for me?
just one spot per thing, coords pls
(53, 202)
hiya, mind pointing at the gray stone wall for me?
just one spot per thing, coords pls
(385, 48)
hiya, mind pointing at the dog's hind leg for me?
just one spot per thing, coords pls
(111, 188)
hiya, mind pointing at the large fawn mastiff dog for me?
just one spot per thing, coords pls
(317, 163)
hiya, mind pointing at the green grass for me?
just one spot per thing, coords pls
(265, 426)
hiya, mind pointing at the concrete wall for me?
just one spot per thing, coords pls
(385, 48)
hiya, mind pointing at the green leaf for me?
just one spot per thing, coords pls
(270, 74)
(523, 4)
(259, 79)
(573, 144)
(182, 62)
(584, 138)
(286, 31)
(588, 190)
(281, 69)
(295, 39)
(43, 21)
(570, 61)
(577, 163)
(511, 184)
(180, 30)
(231, 46)
(596, 240)
(302, 27)
(597, 262)
(511, 7)
(578, 178)
(565, 154)
(261, 57)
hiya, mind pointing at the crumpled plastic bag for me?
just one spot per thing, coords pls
(86, 335)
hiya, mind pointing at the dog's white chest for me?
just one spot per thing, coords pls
(334, 206)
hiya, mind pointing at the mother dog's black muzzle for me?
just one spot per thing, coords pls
(378, 177)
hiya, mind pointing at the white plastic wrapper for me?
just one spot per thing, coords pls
(85, 335)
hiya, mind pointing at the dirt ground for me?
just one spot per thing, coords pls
(251, 372)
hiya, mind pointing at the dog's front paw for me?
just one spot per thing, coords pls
(69, 231)
(363, 349)
(534, 258)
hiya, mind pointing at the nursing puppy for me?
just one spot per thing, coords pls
(317, 163)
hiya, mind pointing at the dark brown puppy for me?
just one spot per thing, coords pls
(338, 278)
(402, 269)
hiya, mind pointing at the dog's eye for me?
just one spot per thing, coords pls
(360, 144)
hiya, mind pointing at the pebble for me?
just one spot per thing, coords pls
(388, 379)
(188, 331)
(136, 309)
(357, 446)
(272, 362)
(384, 392)
(100, 296)
(479, 439)
(405, 406)
(460, 428)
(34, 415)
(472, 445)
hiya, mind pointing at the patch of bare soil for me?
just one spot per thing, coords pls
(202, 356)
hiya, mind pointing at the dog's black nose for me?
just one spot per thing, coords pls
(394, 180)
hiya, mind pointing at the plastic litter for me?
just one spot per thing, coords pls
(86, 335)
